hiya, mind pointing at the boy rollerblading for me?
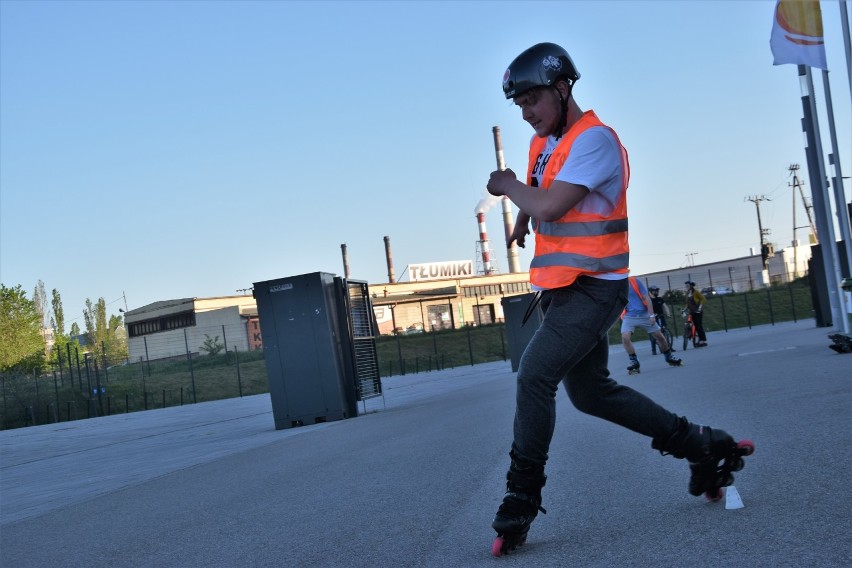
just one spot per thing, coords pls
(574, 196)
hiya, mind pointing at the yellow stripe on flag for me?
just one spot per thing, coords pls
(797, 35)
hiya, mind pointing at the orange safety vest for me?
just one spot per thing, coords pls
(577, 243)
(639, 294)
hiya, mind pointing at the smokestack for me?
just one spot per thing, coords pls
(508, 223)
(391, 276)
(483, 241)
(345, 254)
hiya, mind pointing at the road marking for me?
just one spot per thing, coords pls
(765, 351)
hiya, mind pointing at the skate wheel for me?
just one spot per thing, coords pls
(714, 495)
(745, 447)
(497, 547)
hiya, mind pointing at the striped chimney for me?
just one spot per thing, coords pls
(483, 241)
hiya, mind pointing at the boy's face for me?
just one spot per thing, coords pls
(541, 109)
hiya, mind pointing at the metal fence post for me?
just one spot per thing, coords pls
(79, 372)
(769, 299)
(56, 392)
(147, 358)
(239, 378)
(104, 359)
(469, 345)
(70, 364)
(748, 310)
(792, 301)
(191, 372)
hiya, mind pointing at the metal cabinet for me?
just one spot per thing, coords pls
(319, 347)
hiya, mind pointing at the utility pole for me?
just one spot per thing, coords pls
(812, 237)
(767, 251)
(797, 184)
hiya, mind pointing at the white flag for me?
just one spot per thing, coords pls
(797, 34)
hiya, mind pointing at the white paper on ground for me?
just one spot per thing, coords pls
(733, 499)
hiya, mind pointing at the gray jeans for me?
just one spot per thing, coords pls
(571, 347)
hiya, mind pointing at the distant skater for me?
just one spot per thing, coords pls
(695, 304)
(661, 312)
(640, 313)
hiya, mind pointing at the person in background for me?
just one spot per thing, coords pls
(661, 312)
(640, 313)
(695, 304)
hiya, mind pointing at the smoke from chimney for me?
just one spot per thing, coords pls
(485, 204)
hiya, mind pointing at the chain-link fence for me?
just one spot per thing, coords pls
(85, 386)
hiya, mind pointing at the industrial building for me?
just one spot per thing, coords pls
(173, 328)
(439, 295)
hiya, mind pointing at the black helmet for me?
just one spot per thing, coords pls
(689, 283)
(653, 288)
(539, 66)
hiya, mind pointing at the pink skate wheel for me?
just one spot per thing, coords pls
(746, 447)
(714, 497)
(497, 547)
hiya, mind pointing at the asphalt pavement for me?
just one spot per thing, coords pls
(416, 479)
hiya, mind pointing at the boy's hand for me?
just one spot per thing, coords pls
(497, 181)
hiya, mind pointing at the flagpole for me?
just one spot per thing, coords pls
(847, 43)
(839, 194)
(822, 205)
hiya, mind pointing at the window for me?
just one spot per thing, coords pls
(167, 323)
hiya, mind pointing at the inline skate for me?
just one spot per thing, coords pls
(713, 456)
(521, 504)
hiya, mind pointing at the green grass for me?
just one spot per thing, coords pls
(138, 386)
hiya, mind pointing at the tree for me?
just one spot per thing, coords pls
(58, 315)
(105, 339)
(57, 322)
(96, 325)
(40, 302)
(21, 342)
(75, 329)
(117, 344)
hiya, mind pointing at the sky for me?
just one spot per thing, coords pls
(157, 150)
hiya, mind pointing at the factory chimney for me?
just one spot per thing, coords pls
(508, 223)
(345, 254)
(483, 242)
(391, 276)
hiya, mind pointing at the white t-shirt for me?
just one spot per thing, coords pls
(594, 163)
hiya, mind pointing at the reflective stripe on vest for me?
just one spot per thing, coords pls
(582, 229)
(577, 243)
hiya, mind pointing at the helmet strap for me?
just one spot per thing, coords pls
(563, 117)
